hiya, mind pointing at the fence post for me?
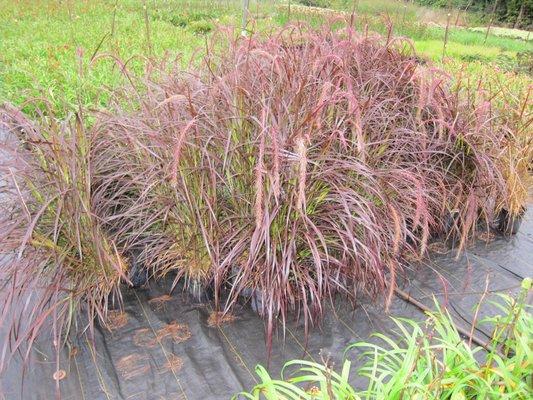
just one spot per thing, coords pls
(446, 32)
(245, 6)
(491, 20)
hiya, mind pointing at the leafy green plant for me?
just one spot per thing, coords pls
(316, 3)
(428, 360)
(186, 19)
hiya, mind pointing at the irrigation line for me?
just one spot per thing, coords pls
(505, 289)
(101, 380)
(475, 339)
(79, 378)
(233, 347)
(237, 354)
(452, 305)
(511, 272)
(304, 348)
(352, 331)
(159, 341)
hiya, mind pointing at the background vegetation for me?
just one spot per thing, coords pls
(68, 56)
(67, 52)
(515, 13)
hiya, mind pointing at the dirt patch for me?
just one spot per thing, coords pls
(486, 236)
(116, 319)
(173, 364)
(133, 366)
(174, 331)
(218, 318)
(158, 303)
(439, 247)
(144, 338)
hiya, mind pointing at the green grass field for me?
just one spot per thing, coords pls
(67, 52)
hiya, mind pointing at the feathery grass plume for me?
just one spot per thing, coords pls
(57, 261)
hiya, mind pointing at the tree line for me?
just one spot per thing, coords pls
(514, 13)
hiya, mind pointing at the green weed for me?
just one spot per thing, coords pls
(429, 360)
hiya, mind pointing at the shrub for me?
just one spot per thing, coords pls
(201, 26)
(187, 19)
(525, 62)
(316, 3)
(424, 360)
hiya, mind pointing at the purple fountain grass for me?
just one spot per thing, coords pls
(304, 164)
(157, 182)
(55, 256)
(287, 168)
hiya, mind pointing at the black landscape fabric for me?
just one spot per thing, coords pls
(170, 346)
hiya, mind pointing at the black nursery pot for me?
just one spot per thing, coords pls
(199, 291)
(509, 224)
(254, 296)
(138, 273)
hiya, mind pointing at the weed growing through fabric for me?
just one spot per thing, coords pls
(425, 361)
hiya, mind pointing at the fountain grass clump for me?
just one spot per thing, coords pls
(288, 168)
